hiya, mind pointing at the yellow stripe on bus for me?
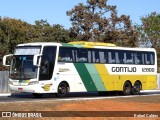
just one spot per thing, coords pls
(103, 72)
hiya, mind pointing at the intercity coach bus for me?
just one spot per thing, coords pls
(62, 68)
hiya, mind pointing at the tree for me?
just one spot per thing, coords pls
(150, 29)
(98, 21)
(13, 32)
(44, 32)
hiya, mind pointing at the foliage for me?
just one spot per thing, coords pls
(151, 27)
(47, 33)
(149, 32)
(98, 21)
(13, 32)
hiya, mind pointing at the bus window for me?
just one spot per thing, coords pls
(65, 54)
(121, 57)
(106, 56)
(47, 63)
(112, 57)
(89, 56)
(139, 58)
(148, 58)
(95, 56)
(82, 55)
(129, 58)
(101, 57)
(152, 58)
(117, 57)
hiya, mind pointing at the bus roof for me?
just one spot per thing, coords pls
(39, 44)
(84, 44)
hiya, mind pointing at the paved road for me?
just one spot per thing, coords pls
(23, 97)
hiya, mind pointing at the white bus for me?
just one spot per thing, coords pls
(62, 68)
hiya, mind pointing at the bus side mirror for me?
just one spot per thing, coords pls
(36, 59)
(7, 60)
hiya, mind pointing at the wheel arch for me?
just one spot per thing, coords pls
(127, 81)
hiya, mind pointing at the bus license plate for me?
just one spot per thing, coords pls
(20, 88)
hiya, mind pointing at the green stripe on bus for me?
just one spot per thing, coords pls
(71, 45)
(78, 46)
(67, 45)
(95, 77)
(85, 76)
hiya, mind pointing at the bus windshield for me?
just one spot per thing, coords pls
(22, 68)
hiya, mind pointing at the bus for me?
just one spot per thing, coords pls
(63, 68)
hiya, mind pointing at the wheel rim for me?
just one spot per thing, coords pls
(62, 90)
(136, 88)
(127, 89)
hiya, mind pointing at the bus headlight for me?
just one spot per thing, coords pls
(10, 83)
(33, 83)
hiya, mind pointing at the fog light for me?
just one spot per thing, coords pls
(10, 83)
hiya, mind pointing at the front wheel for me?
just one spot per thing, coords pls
(63, 89)
(127, 88)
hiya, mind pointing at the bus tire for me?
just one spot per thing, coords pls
(127, 88)
(63, 89)
(136, 88)
(37, 95)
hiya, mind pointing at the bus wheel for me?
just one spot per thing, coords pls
(127, 88)
(37, 95)
(136, 88)
(62, 89)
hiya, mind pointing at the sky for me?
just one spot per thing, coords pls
(54, 11)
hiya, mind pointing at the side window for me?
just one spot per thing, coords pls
(47, 63)
(95, 56)
(66, 54)
(117, 57)
(129, 57)
(82, 55)
(102, 57)
(149, 58)
(112, 57)
(139, 58)
(106, 58)
(89, 56)
(152, 58)
(121, 57)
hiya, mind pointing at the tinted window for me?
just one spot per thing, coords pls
(47, 62)
(66, 54)
(89, 55)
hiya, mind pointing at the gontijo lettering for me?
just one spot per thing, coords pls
(124, 69)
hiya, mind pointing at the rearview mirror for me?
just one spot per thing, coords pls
(36, 59)
(7, 60)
